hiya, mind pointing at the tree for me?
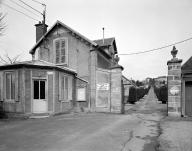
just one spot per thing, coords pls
(6, 59)
(2, 25)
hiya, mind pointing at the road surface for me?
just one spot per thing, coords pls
(136, 130)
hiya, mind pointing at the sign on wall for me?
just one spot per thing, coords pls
(102, 86)
(81, 93)
(174, 90)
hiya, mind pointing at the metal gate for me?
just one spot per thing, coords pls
(102, 90)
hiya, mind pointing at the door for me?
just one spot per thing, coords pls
(188, 98)
(39, 96)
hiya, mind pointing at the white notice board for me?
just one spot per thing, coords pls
(81, 93)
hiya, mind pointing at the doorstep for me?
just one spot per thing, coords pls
(39, 115)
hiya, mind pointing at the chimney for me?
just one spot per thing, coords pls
(103, 35)
(41, 29)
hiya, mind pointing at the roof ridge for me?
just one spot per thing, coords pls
(69, 28)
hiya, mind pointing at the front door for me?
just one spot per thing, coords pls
(39, 96)
(188, 98)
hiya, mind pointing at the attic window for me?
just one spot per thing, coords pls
(61, 51)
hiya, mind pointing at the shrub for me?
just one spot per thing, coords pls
(132, 95)
(161, 93)
(136, 94)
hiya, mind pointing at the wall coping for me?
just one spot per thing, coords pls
(175, 60)
(117, 66)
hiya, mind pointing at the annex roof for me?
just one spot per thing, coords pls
(65, 26)
(37, 63)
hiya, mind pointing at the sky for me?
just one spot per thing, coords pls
(137, 25)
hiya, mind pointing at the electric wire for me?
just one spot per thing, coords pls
(19, 11)
(38, 2)
(24, 7)
(30, 7)
(155, 49)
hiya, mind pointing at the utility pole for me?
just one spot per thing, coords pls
(44, 17)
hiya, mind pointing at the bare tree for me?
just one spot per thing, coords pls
(2, 24)
(6, 59)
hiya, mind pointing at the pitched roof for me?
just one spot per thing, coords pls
(65, 26)
(107, 41)
(37, 63)
(126, 81)
(187, 65)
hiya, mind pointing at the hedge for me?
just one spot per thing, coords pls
(136, 94)
(161, 93)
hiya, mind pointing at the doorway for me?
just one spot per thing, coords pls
(39, 96)
(188, 98)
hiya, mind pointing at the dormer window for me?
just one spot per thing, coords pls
(61, 50)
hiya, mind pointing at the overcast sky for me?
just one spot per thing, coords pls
(137, 25)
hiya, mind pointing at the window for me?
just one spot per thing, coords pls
(65, 88)
(60, 46)
(10, 86)
(39, 89)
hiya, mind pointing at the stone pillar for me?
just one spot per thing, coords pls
(92, 80)
(117, 105)
(174, 85)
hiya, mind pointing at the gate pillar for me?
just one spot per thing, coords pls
(117, 105)
(174, 85)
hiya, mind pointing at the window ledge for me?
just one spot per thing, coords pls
(9, 101)
(65, 101)
(60, 64)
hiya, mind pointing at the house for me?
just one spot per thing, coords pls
(68, 71)
(186, 76)
(161, 81)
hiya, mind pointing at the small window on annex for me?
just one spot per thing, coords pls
(10, 85)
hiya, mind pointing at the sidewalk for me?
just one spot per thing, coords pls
(176, 134)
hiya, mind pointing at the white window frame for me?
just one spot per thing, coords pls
(66, 51)
(14, 81)
(65, 96)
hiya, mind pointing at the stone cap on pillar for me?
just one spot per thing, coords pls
(174, 59)
(117, 66)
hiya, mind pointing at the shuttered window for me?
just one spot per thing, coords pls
(61, 51)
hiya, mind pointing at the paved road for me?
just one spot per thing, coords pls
(134, 131)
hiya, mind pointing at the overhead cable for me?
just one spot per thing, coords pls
(23, 7)
(155, 49)
(37, 2)
(19, 11)
(30, 7)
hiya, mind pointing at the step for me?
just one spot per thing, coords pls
(39, 115)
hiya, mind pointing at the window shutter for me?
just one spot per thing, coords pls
(63, 51)
(13, 79)
(60, 87)
(17, 86)
(66, 89)
(4, 86)
(0, 87)
(57, 49)
(70, 86)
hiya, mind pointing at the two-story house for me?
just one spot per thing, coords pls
(67, 71)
